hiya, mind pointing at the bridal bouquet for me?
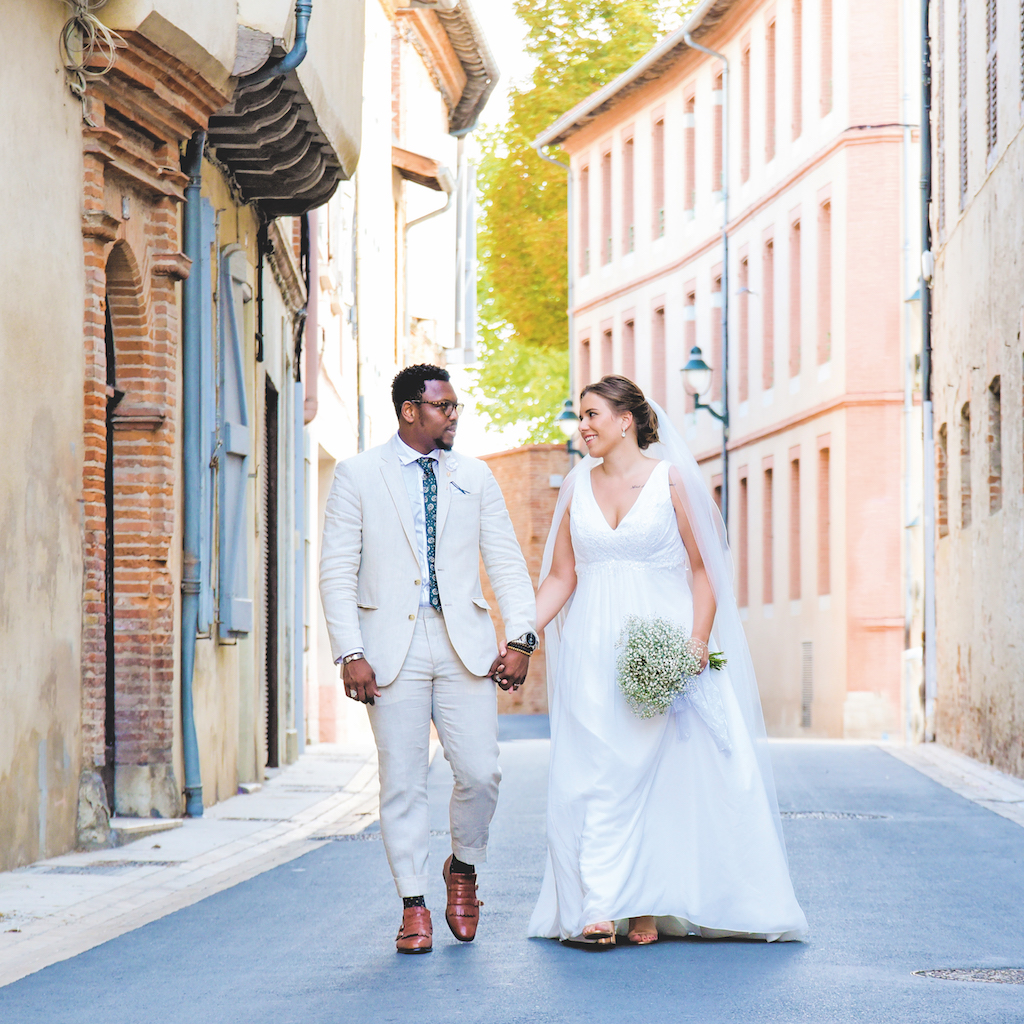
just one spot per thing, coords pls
(659, 662)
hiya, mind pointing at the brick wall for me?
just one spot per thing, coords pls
(524, 476)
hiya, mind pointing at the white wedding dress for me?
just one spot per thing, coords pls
(651, 816)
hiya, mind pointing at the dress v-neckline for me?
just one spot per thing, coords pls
(629, 511)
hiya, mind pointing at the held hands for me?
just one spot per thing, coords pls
(360, 681)
(509, 668)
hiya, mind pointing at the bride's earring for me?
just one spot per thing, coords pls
(623, 431)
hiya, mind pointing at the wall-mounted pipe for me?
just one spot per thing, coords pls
(294, 57)
(192, 466)
(310, 403)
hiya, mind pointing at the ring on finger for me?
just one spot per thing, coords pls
(353, 694)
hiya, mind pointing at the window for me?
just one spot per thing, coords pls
(995, 448)
(798, 59)
(606, 207)
(963, 100)
(658, 178)
(743, 341)
(690, 167)
(794, 299)
(628, 241)
(607, 352)
(965, 466)
(629, 349)
(584, 375)
(745, 115)
(584, 222)
(658, 360)
(768, 315)
(824, 283)
(794, 527)
(716, 174)
(824, 523)
(769, 92)
(716, 338)
(767, 541)
(690, 336)
(991, 75)
(942, 481)
(826, 56)
(743, 588)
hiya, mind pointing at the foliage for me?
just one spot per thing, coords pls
(578, 46)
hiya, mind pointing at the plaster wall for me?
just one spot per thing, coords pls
(41, 370)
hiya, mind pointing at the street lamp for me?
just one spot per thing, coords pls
(697, 381)
(568, 423)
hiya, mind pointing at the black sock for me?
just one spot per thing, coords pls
(413, 901)
(458, 868)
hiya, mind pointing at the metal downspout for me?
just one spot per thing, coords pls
(310, 403)
(928, 504)
(191, 340)
(570, 255)
(294, 57)
(725, 267)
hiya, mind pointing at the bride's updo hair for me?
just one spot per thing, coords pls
(624, 396)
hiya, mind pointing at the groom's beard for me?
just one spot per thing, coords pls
(445, 442)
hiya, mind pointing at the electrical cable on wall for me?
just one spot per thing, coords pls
(88, 49)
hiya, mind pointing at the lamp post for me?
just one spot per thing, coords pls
(568, 423)
(697, 382)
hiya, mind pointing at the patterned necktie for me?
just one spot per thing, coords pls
(430, 511)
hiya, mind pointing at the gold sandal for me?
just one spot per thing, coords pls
(600, 934)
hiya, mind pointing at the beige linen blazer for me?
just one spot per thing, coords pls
(370, 572)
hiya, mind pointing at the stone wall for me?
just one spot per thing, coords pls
(525, 478)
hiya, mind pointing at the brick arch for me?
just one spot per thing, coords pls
(126, 303)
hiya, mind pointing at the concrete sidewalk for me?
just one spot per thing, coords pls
(58, 908)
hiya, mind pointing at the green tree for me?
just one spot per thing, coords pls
(578, 46)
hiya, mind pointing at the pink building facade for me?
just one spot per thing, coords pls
(819, 401)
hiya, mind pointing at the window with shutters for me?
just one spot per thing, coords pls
(606, 207)
(658, 179)
(991, 75)
(234, 600)
(962, 91)
(628, 226)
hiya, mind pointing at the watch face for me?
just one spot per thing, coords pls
(531, 639)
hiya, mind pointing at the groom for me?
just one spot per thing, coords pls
(406, 526)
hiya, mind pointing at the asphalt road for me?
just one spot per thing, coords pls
(925, 879)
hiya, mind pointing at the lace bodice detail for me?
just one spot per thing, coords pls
(647, 538)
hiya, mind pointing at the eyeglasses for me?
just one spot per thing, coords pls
(447, 408)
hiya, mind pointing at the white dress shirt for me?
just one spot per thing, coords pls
(412, 474)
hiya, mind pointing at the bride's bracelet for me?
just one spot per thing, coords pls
(697, 648)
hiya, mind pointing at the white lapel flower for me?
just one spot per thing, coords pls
(451, 464)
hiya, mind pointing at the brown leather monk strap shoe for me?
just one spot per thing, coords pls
(417, 933)
(463, 913)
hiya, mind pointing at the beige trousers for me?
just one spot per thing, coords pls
(434, 684)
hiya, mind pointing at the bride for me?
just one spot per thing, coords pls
(667, 825)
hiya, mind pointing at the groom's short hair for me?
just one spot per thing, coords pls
(410, 383)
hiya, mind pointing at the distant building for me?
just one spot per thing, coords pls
(978, 358)
(821, 177)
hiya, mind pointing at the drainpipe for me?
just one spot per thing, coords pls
(294, 57)
(725, 267)
(310, 404)
(927, 263)
(570, 254)
(191, 457)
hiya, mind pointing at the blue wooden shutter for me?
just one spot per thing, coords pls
(207, 418)
(235, 604)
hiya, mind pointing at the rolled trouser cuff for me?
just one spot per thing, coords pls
(470, 854)
(411, 885)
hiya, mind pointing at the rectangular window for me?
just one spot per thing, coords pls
(942, 481)
(584, 378)
(991, 74)
(769, 92)
(824, 283)
(658, 178)
(584, 222)
(659, 366)
(743, 588)
(690, 337)
(768, 542)
(628, 242)
(743, 308)
(826, 57)
(794, 299)
(995, 447)
(824, 523)
(606, 208)
(745, 115)
(798, 60)
(607, 352)
(716, 173)
(690, 157)
(716, 339)
(965, 466)
(629, 349)
(768, 315)
(962, 89)
(794, 529)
